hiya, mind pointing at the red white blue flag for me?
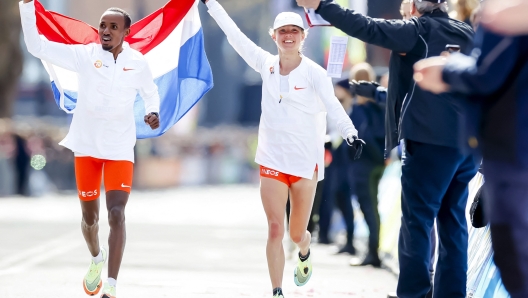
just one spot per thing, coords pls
(171, 39)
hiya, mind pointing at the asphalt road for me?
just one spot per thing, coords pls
(188, 242)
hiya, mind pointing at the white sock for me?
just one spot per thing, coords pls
(99, 258)
(112, 282)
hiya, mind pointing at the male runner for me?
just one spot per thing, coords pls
(102, 133)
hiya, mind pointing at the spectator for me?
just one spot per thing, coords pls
(495, 76)
(435, 170)
(367, 170)
(337, 189)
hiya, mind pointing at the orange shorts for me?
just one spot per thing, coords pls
(284, 178)
(88, 171)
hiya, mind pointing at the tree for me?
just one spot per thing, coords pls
(11, 58)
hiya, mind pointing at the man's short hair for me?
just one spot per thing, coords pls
(128, 20)
(426, 7)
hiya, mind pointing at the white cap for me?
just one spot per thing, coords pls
(288, 18)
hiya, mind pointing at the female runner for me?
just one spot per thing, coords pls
(296, 93)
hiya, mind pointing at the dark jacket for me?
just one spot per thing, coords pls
(411, 113)
(496, 75)
(368, 119)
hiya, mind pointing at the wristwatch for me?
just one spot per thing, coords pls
(154, 113)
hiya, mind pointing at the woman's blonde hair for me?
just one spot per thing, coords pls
(464, 9)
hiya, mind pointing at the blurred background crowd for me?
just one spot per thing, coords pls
(212, 144)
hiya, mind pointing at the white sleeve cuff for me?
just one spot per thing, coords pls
(210, 3)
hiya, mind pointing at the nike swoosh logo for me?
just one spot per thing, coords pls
(296, 88)
(127, 69)
(123, 185)
(93, 285)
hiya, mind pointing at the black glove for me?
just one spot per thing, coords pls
(364, 88)
(356, 146)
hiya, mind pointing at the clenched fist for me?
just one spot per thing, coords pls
(152, 120)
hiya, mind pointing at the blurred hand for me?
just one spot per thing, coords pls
(152, 120)
(364, 88)
(27, 1)
(506, 17)
(204, 1)
(428, 74)
(309, 3)
(356, 145)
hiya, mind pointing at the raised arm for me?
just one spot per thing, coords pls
(65, 56)
(506, 17)
(397, 35)
(482, 73)
(486, 72)
(248, 50)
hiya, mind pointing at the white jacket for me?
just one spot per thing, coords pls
(291, 130)
(103, 124)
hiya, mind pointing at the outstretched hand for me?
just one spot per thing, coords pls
(357, 146)
(309, 3)
(152, 120)
(506, 17)
(428, 74)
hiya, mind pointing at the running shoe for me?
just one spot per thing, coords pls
(278, 296)
(108, 291)
(92, 280)
(303, 271)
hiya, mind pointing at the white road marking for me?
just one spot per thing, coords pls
(23, 260)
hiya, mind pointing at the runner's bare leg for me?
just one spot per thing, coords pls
(302, 194)
(116, 201)
(274, 195)
(90, 225)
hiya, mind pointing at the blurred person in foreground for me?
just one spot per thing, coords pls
(435, 169)
(295, 94)
(495, 77)
(102, 133)
(506, 17)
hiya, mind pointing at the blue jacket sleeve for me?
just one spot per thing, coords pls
(381, 95)
(397, 35)
(485, 71)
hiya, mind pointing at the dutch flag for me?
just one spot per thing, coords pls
(171, 39)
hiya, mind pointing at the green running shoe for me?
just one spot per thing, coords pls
(303, 271)
(92, 280)
(108, 291)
